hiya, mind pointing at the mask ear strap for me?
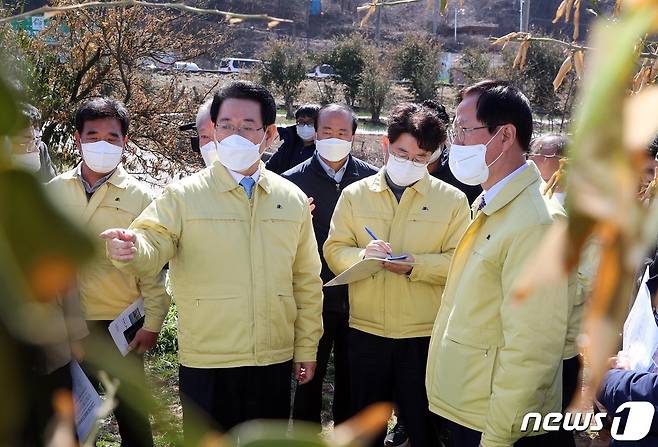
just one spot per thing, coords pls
(501, 152)
(494, 136)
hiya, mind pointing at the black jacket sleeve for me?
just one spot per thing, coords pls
(280, 160)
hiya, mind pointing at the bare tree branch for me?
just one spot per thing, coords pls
(523, 37)
(50, 11)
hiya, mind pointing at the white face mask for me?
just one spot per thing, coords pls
(209, 153)
(29, 162)
(306, 132)
(468, 163)
(436, 154)
(404, 172)
(237, 153)
(101, 157)
(333, 149)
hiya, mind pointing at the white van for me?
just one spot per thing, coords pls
(186, 66)
(237, 65)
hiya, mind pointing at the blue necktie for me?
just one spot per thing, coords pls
(248, 184)
(482, 204)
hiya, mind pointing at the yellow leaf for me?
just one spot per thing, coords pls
(273, 24)
(506, 38)
(579, 63)
(567, 14)
(521, 54)
(560, 11)
(562, 73)
(235, 20)
(576, 20)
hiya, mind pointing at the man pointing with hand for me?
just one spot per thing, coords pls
(244, 269)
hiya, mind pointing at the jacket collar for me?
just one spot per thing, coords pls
(119, 178)
(378, 183)
(225, 181)
(509, 192)
(351, 169)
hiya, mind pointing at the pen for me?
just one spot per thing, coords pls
(372, 235)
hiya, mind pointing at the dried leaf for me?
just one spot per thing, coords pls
(51, 14)
(576, 20)
(579, 63)
(617, 9)
(273, 23)
(506, 38)
(366, 424)
(654, 69)
(562, 73)
(235, 20)
(521, 55)
(371, 11)
(557, 179)
(567, 14)
(640, 124)
(560, 11)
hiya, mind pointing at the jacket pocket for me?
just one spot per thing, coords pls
(282, 320)
(463, 374)
(214, 325)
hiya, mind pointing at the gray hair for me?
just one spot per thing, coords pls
(558, 143)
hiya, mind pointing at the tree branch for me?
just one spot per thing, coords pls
(569, 45)
(50, 11)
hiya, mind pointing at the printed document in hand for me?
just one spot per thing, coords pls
(362, 270)
(126, 325)
(641, 332)
(86, 401)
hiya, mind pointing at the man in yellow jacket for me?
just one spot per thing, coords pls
(244, 269)
(493, 359)
(392, 312)
(99, 194)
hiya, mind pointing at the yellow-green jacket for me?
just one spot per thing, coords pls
(427, 223)
(493, 359)
(245, 275)
(104, 290)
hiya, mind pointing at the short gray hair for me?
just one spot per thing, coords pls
(558, 143)
(203, 114)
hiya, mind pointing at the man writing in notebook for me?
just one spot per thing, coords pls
(407, 212)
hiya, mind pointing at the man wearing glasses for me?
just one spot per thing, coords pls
(400, 211)
(244, 270)
(494, 358)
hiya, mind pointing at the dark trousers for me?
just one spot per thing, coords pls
(227, 397)
(392, 370)
(570, 382)
(133, 421)
(41, 411)
(308, 398)
(455, 435)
